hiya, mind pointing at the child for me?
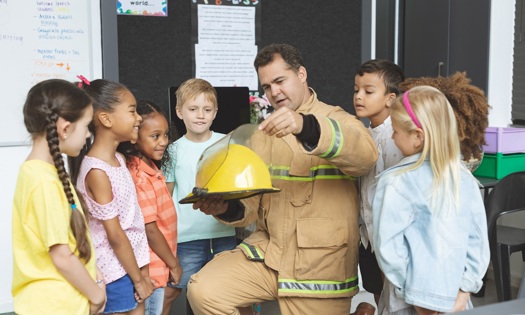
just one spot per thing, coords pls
(200, 236)
(54, 268)
(470, 107)
(144, 160)
(432, 244)
(375, 87)
(116, 222)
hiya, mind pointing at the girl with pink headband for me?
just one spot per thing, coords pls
(432, 223)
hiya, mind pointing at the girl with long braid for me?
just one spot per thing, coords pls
(54, 268)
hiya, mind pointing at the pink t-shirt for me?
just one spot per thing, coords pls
(125, 206)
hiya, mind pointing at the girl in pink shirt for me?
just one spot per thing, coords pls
(116, 222)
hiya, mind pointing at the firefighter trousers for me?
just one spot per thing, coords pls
(230, 280)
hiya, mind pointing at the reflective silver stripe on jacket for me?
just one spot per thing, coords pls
(337, 140)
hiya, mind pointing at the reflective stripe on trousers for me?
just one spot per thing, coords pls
(318, 286)
(253, 253)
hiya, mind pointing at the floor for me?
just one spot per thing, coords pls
(272, 308)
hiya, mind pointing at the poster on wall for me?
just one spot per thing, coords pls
(226, 65)
(142, 7)
(225, 34)
(43, 40)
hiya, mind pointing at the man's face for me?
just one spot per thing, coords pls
(283, 86)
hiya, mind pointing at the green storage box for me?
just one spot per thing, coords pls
(500, 165)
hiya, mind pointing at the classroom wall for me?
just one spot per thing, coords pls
(155, 53)
(500, 94)
(500, 62)
(500, 82)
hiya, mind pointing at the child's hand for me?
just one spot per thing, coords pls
(153, 282)
(175, 273)
(144, 289)
(96, 307)
(461, 301)
(145, 273)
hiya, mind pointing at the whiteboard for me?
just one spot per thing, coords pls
(40, 40)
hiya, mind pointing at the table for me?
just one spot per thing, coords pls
(487, 184)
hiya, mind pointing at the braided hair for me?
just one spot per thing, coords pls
(470, 108)
(45, 103)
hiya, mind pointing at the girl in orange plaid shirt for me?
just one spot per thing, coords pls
(144, 160)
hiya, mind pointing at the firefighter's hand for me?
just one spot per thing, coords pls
(282, 122)
(213, 205)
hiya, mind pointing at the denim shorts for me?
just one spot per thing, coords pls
(120, 296)
(155, 302)
(194, 255)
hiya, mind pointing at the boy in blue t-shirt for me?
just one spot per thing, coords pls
(200, 236)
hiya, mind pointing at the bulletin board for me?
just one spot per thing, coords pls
(156, 53)
(42, 40)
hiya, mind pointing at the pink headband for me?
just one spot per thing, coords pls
(410, 112)
(83, 79)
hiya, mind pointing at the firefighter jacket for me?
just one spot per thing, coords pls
(308, 232)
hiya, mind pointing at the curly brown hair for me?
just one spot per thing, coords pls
(470, 107)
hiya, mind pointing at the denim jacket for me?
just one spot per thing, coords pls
(429, 258)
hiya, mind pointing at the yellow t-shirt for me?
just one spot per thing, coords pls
(41, 215)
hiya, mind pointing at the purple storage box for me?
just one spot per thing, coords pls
(504, 140)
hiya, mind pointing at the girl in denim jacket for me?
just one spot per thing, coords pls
(429, 220)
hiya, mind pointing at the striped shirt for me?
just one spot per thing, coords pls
(157, 206)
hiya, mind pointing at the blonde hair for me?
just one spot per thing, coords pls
(470, 107)
(441, 144)
(192, 88)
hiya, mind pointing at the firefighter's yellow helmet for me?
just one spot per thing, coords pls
(232, 171)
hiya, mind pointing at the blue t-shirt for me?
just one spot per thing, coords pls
(192, 224)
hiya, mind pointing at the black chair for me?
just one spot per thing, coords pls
(507, 196)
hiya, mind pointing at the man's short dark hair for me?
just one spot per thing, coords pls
(391, 73)
(290, 55)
